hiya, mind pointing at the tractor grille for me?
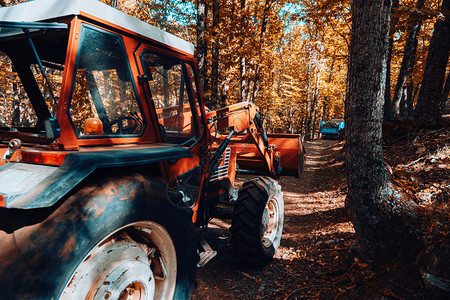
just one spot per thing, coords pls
(222, 169)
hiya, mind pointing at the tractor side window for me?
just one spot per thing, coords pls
(167, 83)
(54, 76)
(16, 110)
(104, 99)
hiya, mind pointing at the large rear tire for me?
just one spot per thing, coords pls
(150, 258)
(257, 223)
(116, 236)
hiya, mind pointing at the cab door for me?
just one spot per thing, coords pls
(170, 88)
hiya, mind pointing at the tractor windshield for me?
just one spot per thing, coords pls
(32, 59)
(103, 101)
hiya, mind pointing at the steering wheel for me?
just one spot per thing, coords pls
(128, 129)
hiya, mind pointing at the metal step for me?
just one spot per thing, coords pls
(206, 253)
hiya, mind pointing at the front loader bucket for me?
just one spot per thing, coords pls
(288, 149)
(292, 152)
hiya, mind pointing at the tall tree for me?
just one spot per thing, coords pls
(445, 91)
(114, 3)
(408, 61)
(388, 114)
(215, 55)
(377, 212)
(262, 35)
(428, 109)
(202, 46)
(242, 58)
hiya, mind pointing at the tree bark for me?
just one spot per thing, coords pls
(402, 106)
(325, 107)
(215, 57)
(330, 77)
(243, 79)
(388, 114)
(16, 112)
(411, 93)
(308, 100)
(114, 3)
(264, 21)
(408, 60)
(445, 91)
(377, 212)
(428, 109)
(242, 60)
(202, 46)
(314, 114)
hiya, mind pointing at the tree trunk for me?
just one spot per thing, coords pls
(215, 57)
(314, 112)
(410, 95)
(330, 77)
(409, 57)
(308, 100)
(428, 108)
(202, 46)
(445, 92)
(114, 3)
(242, 60)
(325, 107)
(243, 80)
(264, 21)
(16, 112)
(388, 114)
(402, 106)
(376, 211)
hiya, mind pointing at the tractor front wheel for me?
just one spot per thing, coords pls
(257, 223)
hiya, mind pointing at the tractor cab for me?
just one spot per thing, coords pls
(86, 87)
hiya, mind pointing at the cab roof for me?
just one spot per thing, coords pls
(44, 10)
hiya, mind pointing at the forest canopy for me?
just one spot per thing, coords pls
(290, 57)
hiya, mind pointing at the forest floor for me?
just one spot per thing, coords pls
(314, 260)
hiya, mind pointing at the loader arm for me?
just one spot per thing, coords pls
(244, 117)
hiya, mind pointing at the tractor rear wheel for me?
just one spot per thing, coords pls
(120, 237)
(257, 223)
(136, 262)
(149, 251)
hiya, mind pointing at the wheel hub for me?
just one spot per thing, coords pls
(269, 224)
(127, 281)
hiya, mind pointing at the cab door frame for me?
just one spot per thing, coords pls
(191, 171)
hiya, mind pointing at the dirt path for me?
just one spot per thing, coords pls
(310, 261)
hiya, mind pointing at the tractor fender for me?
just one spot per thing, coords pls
(37, 260)
(30, 186)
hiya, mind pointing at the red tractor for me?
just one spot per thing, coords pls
(110, 166)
